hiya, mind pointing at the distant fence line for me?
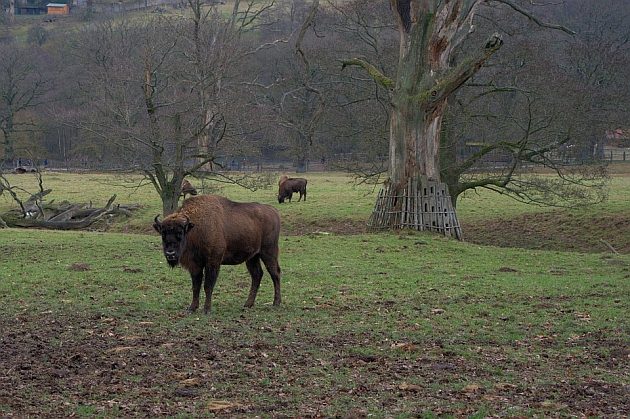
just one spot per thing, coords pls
(240, 164)
(128, 6)
(235, 165)
(617, 154)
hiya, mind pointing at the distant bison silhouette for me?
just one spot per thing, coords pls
(209, 231)
(25, 169)
(188, 189)
(288, 185)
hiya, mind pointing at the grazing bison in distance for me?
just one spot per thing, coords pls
(209, 231)
(188, 189)
(288, 185)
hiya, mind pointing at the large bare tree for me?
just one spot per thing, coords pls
(541, 106)
(158, 90)
(292, 90)
(428, 73)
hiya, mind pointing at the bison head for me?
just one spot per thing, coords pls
(173, 231)
(284, 195)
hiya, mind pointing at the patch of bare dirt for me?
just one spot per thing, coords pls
(338, 227)
(68, 365)
(557, 230)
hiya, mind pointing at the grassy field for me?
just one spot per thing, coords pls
(339, 205)
(383, 325)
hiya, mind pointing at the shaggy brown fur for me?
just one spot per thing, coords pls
(288, 185)
(209, 231)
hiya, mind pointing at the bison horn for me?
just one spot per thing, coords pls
(188, 224)
(156, 220)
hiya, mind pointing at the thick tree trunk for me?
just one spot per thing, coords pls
(414, 143)
(169, 202)
(414, 196)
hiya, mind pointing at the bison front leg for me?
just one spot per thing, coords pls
(197, 278)
(256, 272)
(212, 274)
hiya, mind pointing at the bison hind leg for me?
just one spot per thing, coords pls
(271, 263)
(256, 272)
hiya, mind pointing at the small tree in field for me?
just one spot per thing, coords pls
(427, 76)
(158, 90)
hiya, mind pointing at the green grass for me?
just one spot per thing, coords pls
(483, 204)
(389, 325)
(409, 299)
(330, 196)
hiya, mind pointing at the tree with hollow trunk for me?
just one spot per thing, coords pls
(427, 75)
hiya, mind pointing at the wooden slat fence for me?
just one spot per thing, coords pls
(422, 204)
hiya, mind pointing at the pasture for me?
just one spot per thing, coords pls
(385, 325)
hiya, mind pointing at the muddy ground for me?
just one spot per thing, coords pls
(557, 230)
(63, 366)
(554, 230)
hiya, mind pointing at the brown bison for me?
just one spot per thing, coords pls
(288, 185)
(209, 231)
(188, 189)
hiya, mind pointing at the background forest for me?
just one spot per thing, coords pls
(212, 86)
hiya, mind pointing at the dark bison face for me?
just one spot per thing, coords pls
(173, 238)
(284, 195)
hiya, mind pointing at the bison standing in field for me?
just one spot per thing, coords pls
(209, 231)
(188, 189)
(288, 185)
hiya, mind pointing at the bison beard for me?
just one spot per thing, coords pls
(209, 231)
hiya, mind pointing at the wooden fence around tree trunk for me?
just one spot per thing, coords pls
(422, 204)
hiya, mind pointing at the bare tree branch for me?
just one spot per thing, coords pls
(374, 72)
(533, 17)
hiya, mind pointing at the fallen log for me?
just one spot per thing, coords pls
(72, 217)
(61, 225)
